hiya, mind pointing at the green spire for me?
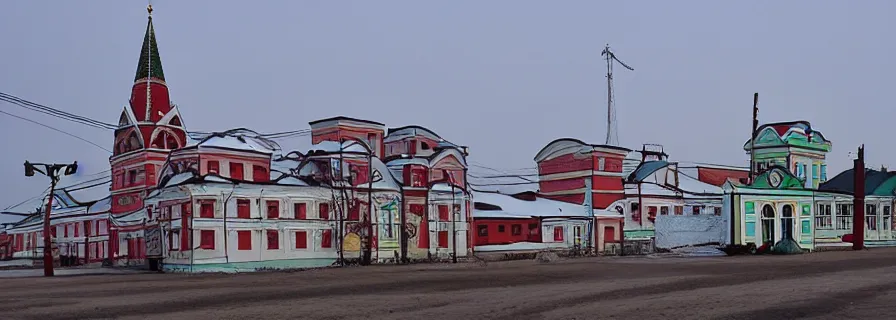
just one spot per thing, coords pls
(149, 56)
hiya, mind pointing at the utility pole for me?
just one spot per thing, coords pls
(858, 201)
(454, 214)
(612, 134)
(51, 171)
(753, 135)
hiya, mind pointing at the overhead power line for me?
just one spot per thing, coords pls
(57, 130)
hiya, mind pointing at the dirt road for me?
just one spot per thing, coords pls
(830, 285)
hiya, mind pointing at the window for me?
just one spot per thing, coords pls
(207, 239)
(601, 164)
(717, 211)
(651, 213)
(824, 172)
(823, 219)
(236, 171)
(844, 217)
(244, 240)
(301, 239)
(516, 230)
(695, 210)
(483, 231)
(871, 217)
(443, 239)
(558, 234)
(664, 210)
(207, 209)
(888, 218)
(324, 211)
(213, 167)
(132, 177)
(273, 209)
(273, 240)
(326, 239)
(299, 211)
(814, 171)
(242, 209)
(260, 174)
(533, 229)
(88, 231)
(501, 228)
(679, 210)
(443, 213)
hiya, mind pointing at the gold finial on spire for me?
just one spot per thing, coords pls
(149, 9)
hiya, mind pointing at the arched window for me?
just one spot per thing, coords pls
(165, 140)
(768, 224)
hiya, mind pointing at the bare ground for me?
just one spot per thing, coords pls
(832, 285)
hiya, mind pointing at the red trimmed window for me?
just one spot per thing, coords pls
(207, 239)
(260, 174)
(214, 167)
(65, 231)
(273, 209)
(558, 234)
(77, 228)
(242, 208)
(236, 171)
(300, 211)
(207, 209)
(417, 209)
(301, 239)
(326, 239)
(324, 211)
(443, 213)
(244, 240)
(443, 239)
(354, 212)
(273, 240)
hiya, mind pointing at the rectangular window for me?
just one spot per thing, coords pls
(516, 229)
(273, 240)
(299, 211)
(273, 207)
(213, 167)
(558, 234)
(695, 210)
(326, 239)
(132, 177)
(679, 210)
(244, 240)
(823, 219)
(824, 172)
(651, 213)
(243, 209)
(236, 171)
(77, 228)
(301, 239)
(814, 171)
(717, 211)
(483, 230)
(844, 217)
(207, 209)
(601, 164)
(443, 239)
(443, 213)
(501, 228)
(324, 212)
(888, 218)
(207, 239)
(870, 217)
(185, 229)
(88, 231)
(260, 174)
(64, 231)
(664, 210)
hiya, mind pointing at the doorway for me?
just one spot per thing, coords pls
(768, 224)
(787, 222)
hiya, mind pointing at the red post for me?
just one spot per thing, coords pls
(858, 201)
(48, 249)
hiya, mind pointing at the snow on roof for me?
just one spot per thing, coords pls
(239, 139)
(515, 208)
(516, 181)
(103, 205)
(334, 147)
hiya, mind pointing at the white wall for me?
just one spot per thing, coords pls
(676, 231)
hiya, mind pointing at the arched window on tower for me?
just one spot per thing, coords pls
(165, 140)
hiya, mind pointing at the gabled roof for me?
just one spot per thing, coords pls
(794, 133)
(344, 118)
(877, 183)
(239, 139)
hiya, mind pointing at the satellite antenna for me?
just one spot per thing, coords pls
(612, 134)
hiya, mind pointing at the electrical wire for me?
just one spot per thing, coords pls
(54, 129)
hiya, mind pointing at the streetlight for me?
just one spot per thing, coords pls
(51, 171)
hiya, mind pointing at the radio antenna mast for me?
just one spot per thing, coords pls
(612, 130)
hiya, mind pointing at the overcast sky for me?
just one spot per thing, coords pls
(503, 77)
